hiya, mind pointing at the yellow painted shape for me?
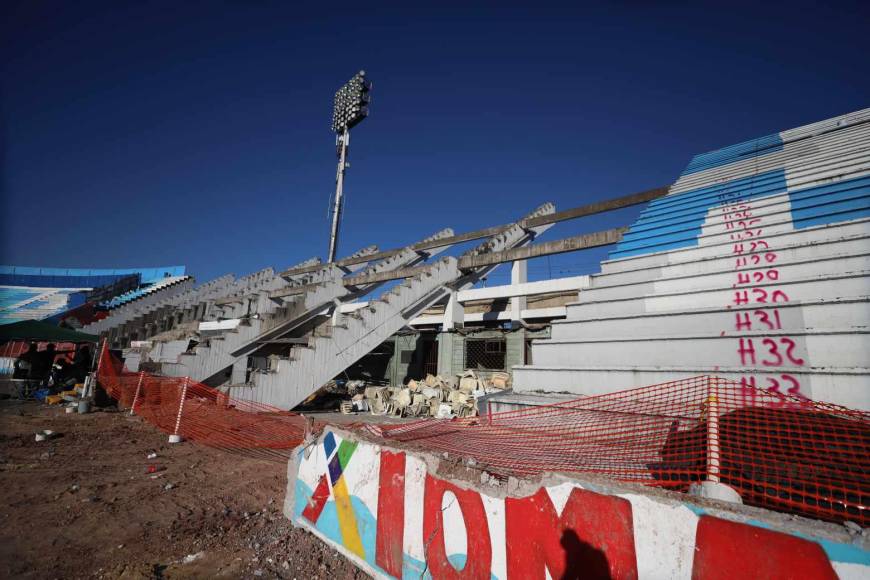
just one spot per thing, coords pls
(346, 519)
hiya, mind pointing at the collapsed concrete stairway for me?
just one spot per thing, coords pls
(358, 333)
(163, 293)
(273, 313)
(762, 278)
(220, 309)
(291, 380)
(196, 303)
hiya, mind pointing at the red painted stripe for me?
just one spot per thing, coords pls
(727, 550)
(391, 513)
(317, 502)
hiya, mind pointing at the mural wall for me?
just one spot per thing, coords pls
(387, 511)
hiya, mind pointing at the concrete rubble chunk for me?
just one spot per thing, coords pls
(433, 396)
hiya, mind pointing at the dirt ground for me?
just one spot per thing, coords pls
(84, 505)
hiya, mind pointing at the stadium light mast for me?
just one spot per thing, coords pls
(350, 107)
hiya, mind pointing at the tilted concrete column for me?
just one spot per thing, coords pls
(445, 353)
(519, 275)
(454, 312)
(336, 312)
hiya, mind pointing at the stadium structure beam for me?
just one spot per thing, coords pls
(572, 244)
(569, 214)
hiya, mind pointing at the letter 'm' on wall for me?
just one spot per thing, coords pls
(479, 550)
(593, 538)
(729, 550)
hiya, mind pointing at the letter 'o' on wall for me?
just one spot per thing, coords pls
(479, 547)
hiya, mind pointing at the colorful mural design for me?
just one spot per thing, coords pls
(385, 511)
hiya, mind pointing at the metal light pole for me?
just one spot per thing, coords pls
(342, 142)
(350, 108)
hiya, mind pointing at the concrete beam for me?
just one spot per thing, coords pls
(497, 315)
(562, 246)
(598, 207)
(572, 284)
(363, 279)
(569, 214)
(291, 340)
(572, 244)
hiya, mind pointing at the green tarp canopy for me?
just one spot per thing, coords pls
(42, 332)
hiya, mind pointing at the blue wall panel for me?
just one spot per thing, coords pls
(733, 153)
(835, 202)
(79, 277)
(660, 228)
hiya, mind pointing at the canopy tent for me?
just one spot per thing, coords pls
(42, 332)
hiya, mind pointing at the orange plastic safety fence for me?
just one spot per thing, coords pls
(202, 414)
(777, 451)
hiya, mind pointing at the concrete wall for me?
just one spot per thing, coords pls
(397, 514)
(402, 356)
(452, 348)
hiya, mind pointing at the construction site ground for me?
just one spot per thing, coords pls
(84, 505)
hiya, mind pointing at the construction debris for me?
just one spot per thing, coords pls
(433, 396)
(45, 434)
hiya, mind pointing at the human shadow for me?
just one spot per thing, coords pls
(583, 561)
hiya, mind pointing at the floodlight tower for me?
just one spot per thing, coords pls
(350, 107)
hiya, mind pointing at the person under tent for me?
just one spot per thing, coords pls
(25, 363)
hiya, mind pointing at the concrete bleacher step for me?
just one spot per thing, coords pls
(807, 288)
(830, 347)
(123, 313)
(808, 148)
(774, 209)
(768, 197)
(724, 246)
(821, 384)
(770, 274)
(772, 226)
(793, 252)
(810, 314)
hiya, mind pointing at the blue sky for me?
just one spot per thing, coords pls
(197, 133)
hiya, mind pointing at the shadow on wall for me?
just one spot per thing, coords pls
(583, 561)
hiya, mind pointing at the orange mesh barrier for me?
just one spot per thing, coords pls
(202, 414)
(781, 452)
(777, 451)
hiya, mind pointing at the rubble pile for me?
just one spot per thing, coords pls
(433, 396)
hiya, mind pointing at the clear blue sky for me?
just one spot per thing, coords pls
(197, 133)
